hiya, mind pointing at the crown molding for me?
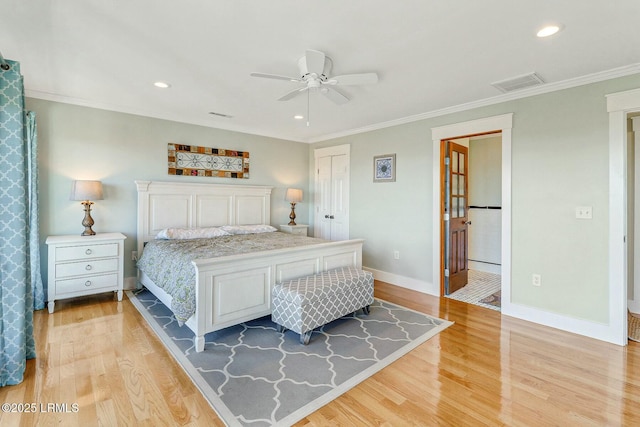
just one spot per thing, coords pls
(524, 93)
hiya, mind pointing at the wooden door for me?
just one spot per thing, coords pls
(458, 219)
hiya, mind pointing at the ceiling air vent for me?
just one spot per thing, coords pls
(226, 116)
(519, 82)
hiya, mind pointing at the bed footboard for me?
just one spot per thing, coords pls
(235, 289)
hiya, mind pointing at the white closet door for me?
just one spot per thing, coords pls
(332, 193)
(323, 194)
(339, 198)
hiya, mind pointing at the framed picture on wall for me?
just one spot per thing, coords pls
(384, 168)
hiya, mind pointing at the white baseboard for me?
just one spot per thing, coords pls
(574, 325)
(583, 327)
(578, 326)
(405, 282)
(130, 283)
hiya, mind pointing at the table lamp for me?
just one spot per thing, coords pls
(86, 192)
(294, 195)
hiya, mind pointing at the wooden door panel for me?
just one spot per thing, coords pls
(458, 236)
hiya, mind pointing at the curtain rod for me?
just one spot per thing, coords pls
(3, 64)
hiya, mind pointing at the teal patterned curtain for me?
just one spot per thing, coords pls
(19, 244)
(31, 136)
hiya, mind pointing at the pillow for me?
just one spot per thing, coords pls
(191, 233)
(248, 229)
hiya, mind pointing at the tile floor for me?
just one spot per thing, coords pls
(480, 285)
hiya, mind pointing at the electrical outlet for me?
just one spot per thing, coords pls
(396, 254)
(584, 212)
(536, 280)
(134, 255)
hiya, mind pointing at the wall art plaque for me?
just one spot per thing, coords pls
(192, 160)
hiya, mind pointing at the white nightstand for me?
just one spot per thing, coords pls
(299, 229)
(85, 265)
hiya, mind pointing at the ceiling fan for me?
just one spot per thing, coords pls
(314, 69)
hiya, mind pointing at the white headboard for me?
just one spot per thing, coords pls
(191, 205)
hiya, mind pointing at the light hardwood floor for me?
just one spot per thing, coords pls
(483, 370)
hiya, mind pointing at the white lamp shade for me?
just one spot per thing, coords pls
(86, 190)
(294, 195)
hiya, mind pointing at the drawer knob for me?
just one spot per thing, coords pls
(87, 283)
(88, 267)
(88, 251)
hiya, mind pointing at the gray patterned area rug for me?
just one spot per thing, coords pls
(253, 375)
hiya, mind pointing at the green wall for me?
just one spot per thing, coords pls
(86, 143)
(559, 161)
(485, 171)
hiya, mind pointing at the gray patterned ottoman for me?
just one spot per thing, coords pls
(305, 303)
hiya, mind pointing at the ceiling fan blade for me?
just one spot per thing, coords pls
(292, 94)
(354, 79)
(334, 95)
(315, 61)
(275, 77)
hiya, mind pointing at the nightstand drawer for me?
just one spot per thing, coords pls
(86, 267)
(88, 284)
(298, 229)
(72, 253)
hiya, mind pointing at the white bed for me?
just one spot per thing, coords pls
(237, 288)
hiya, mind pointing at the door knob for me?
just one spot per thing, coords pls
(330, 216)
(326, 216)
(467, 223)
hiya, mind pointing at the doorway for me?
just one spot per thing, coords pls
(633, 212)
(621, 106)
(471, 212)
(471, 209)
(497, 124)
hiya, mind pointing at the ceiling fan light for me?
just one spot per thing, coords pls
(162, 85)
(548, 30)
(314, 68)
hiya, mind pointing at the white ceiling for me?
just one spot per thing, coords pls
(430, 55)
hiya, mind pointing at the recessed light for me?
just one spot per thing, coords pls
(547, 31)
(162, 85)
(298, 117)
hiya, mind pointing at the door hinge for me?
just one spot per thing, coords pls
(446, 272)
(445, 217)
(447, 160)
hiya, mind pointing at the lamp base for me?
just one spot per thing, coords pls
(88, 232)
(292, 215)
(87, 222)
